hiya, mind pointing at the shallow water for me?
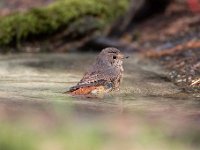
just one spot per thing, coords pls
(32, 85)
(44, 77)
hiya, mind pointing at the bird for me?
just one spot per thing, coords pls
(105, 75)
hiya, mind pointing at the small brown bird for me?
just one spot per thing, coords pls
(105, 74)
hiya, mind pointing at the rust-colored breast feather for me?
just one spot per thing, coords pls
(94, 88)
(83, 90)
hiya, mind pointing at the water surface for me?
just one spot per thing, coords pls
(31, 93)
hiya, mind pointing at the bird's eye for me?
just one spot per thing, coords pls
(114, 57)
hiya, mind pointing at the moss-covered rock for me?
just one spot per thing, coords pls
(49, 19)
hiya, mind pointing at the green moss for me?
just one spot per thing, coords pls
(47, 20)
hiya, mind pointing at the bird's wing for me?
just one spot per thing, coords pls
(98, 76)
(95, 78)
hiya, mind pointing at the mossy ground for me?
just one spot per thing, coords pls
(47, 20)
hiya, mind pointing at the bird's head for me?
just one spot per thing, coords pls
(111, 55)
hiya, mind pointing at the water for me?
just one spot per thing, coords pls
(31, 94)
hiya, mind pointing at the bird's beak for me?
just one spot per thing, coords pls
(121, 56)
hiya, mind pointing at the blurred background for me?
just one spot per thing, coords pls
(47, 45)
